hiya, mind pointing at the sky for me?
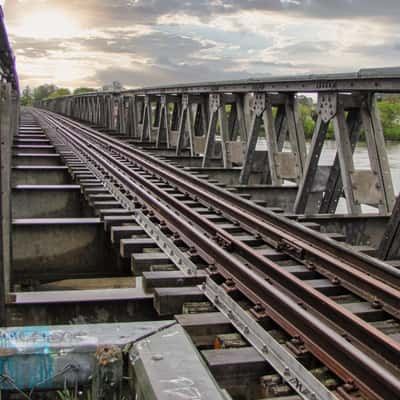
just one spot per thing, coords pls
(75, 43)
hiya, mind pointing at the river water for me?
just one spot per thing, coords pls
(361, 161)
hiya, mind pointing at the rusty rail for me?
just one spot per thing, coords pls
(317, 322)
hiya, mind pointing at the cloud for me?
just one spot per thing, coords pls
(146, 42)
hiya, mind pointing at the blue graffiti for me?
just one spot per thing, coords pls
(26, 357)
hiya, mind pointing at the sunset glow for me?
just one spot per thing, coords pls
(48, 24)
(142, 43)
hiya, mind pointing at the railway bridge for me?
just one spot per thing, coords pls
(186, 242)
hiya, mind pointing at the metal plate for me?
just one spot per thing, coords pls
(235, 151)
(286, 165)
(327, 106)
(199, 144)
(321, 178)
(366, 187)
(173, 138)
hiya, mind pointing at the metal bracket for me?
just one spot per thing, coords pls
(185, 100)
(327, 106)
(259, 103)
(215, 102)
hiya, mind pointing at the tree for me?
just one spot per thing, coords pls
(84, 90)
(389, 109)
(27, 97)
(43, 91)
(60, 92)
(307, 111)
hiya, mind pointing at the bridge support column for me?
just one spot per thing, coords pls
(189, 136)
(132, 116)
(163, 129)
(226, 116)
(145, 125)
(389, 248)
(372, 187)
(275, 164)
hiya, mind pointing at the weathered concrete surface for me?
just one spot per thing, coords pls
(40, 175)
(30, 141)
(90, 284)
(359, 230)
(36, 159)
(48, 201)
(29, 149)
(54, 249)
(80, 306)
(167, 365)
(58, 347)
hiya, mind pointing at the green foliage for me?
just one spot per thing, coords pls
(389, 109)
(46, 91)
(27, 97)
(43, 91)
(84, 90)
(59, 93)
(307, 113)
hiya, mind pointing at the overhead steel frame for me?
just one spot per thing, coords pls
(279, 165)
(192, 124)
(225, 119)
(9, 120)
(226, 116)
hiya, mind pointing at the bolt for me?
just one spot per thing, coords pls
(376, 304)
(349, 386)
(230, 282)
(311, 266)
(258, 308)
(212, 267)
(296, 340)
(264, 349)
(192, 250)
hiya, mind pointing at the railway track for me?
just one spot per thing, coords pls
(331, 304)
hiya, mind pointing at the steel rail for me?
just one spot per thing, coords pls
(245, 278)
(357, 272)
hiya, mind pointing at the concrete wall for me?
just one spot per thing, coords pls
(52, 249)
